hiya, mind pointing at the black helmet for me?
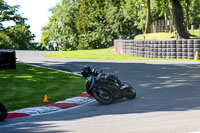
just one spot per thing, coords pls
(86, 71)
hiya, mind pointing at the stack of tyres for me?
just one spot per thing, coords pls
(142, 49)
(137, 48)
(151, 49)
(164, 49)
(128, 48)
(147, 49)
(155, 49)
(173, 49)
(179, 49)
(197, 47)
(133, 47)
(190, 46)
(7, 59)
(168, 50)
(159, 49)
(124, 48)
(184, 49)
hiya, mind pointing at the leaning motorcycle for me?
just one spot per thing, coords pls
(3, 112)
(106, 88)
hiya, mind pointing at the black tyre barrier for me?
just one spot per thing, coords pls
(168, 55)
(164, 48)
(197, 47)
(164, 55)
(179, 55)
(178, 41)
(190, 49)
(191, 57)
(172, 49)
(184, 50)
(179, 49)
(184, 55)
(168, 49)
(159, 49)
(7, 59)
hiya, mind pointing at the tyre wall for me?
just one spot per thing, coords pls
(7, 59)
(170, 49)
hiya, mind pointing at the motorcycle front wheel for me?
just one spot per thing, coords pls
(3, 112)
(130, 92)
(103, 96)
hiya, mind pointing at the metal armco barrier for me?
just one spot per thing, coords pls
(170, 49)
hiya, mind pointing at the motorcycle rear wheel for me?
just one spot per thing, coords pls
(103, 96)
(3, 112)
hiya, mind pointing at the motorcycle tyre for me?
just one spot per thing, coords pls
(100, 99)
(3, 112)
(130, 92)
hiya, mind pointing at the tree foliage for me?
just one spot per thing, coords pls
(17, 36)
(89, 24)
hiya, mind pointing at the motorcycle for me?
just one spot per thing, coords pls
(106, 88)
(3, 112)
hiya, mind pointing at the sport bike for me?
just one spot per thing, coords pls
(106, 88)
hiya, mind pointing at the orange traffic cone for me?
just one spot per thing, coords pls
(45, 98)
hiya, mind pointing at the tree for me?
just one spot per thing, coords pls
(94, 31)
(194, 12)
(17, 36)
(148, 18)
(8, 13)
(178, 18)
(62, 26)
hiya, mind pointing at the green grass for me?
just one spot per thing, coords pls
(27, 85)
(99, 54)
(156, 36)
(164, 35)
(196, 33)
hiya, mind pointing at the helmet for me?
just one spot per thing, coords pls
(86, 71)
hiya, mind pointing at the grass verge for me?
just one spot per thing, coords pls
(156, 36)
(165, 36)
(26, 86)
(100, 54)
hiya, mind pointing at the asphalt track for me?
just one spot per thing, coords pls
(168, 99)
